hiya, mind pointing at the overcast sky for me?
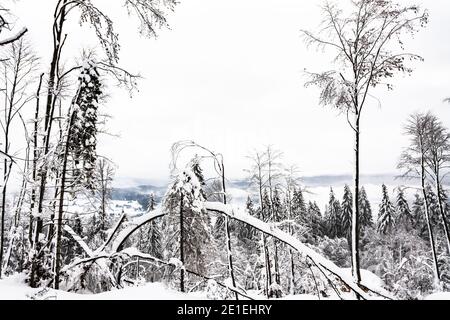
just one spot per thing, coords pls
(228, 74)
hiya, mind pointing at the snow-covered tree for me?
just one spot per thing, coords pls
(346, 215)
(333, 216)
(363, 39)
(187, 223)
(403, 216)
(413, 163)
(386, 213)
(366, 216)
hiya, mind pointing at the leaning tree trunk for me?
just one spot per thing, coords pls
(430, 229)
(355, 214)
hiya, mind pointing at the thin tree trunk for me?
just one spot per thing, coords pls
(268, 278)
(35, 158)
(61, 205)
(441, 210)
(228, 236)
(355, 214)
(48, 120)
(292, 282)
(430, 229)
(182, 244)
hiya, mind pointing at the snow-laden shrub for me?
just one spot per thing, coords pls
(336, 250)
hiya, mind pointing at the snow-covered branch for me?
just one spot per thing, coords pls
(320, 261)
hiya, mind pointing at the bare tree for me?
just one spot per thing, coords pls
(413, 162)
(437, 160)
(19, 64)
(369, 52)
(274, 174)
(258, 180)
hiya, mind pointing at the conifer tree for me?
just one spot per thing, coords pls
(418, 216)
(403, 216)
(187, 219)
(386, 213)
(366, 218)
(332, 216)
(315, 220)
(346, 217)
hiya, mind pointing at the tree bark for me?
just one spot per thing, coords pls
(355, 214)
(228, 236)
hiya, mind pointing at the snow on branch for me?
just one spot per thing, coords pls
(13, 38)
(134, 252)
(321, 262)
(134, 225)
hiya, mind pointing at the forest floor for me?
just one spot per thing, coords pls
(15, 288)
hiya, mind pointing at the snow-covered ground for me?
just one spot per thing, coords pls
(15, 288)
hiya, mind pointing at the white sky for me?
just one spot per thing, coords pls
(229, 75)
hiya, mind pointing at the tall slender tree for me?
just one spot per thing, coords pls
(437, 160)
(364, 39)
(413, 163)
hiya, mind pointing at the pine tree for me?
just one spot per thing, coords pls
(386, 213)
(151, 235)
(278, 209)
(404, 218)
(332, 216)
(433, 205)
(418, 216)
(187, 219)
(366, 217)
(347, 209)
(315, 220)
(265, 214)
(151, 202)
(298, 206)
(83, 138)
(245, 231)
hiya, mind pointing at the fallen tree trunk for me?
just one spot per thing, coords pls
(322, 263)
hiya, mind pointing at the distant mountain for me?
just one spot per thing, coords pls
(139, 193)
(139, 189)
